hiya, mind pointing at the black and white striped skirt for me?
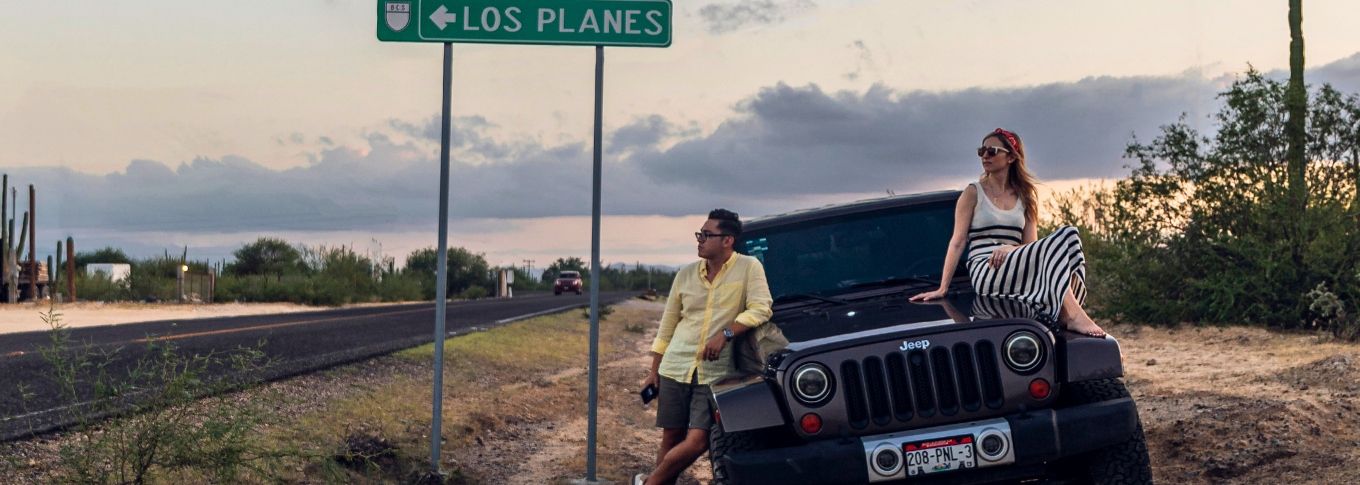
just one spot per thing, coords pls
(1036, 275)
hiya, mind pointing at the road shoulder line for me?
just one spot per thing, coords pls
(539, 314)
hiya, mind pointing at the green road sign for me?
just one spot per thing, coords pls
(637, 23)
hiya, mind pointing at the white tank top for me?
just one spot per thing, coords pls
(993, 227)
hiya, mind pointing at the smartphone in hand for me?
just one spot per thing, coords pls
(648, 393)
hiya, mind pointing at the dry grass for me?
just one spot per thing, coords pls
(502, 385)
(514, 410)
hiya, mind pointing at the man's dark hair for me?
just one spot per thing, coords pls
(728, 222)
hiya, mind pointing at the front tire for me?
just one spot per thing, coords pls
(1126, 463)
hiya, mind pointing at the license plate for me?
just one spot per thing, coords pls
(939, 455)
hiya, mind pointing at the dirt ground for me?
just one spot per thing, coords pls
(1232, 405)
(1219, 405)
(552, 452)
(1245, 405)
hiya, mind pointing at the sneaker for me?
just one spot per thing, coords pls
(640, 479)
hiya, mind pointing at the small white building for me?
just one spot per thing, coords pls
(115, 271)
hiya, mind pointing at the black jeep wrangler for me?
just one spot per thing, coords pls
(873, 388)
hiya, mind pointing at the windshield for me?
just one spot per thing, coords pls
(571, 274)
(828, 255)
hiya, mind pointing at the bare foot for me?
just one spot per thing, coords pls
(1085, 326)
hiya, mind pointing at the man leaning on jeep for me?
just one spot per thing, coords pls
(712, 301)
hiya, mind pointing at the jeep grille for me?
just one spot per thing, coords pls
(946, 380)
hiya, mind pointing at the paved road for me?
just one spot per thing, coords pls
(296, 342)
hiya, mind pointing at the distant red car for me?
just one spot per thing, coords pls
(567, 281)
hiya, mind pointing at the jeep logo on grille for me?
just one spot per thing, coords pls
(919, 344)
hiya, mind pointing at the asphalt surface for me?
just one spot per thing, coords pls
(295, 343)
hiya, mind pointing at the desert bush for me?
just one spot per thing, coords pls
(173, 413)
(399, 287)
(613, 277)
(473, 293)
(331, 276)
(98, 287)
(605, 311)
(465, 269)
(105, 255)
(1332, 316)
(1205, 229)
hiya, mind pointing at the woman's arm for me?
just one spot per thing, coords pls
(1031, 232)
(963, 219)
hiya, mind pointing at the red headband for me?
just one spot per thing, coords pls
(1010, 137)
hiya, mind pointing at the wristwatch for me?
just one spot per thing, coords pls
(727, 332)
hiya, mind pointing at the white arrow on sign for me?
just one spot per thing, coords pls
(442, 17)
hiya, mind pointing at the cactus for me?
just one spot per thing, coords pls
(4, 212)
(6, 239)
(71, 268)
(54, 281)
(23, 234)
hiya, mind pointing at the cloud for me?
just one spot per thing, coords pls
(1343, 74)
(646, 133)
(807, 140)
(866, 59)
(727, 17)
(784, 147)
(387, 186)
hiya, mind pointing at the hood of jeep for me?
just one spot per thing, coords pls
(832, 321)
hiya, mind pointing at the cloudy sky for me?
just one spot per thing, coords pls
(158, 123)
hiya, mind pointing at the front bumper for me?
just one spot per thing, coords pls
(1036, 437)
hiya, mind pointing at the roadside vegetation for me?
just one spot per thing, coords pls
(154, 414)
(1220, 228)
(165, 421)
(273, 270)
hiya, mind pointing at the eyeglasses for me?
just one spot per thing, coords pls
(703, 236)
(991, 151)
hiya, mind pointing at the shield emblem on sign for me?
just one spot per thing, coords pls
(398, 15)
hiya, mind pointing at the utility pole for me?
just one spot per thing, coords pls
(529, 267)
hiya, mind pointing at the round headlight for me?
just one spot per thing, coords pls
(811, 383)
(1023, 352)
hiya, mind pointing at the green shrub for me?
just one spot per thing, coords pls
(399, 287)
(473, 293)
(605, 311)
(98, 287)
(1206, 230)
(174, 415)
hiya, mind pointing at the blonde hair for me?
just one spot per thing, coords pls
(1018, 177)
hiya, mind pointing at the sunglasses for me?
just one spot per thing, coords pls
(991, 151)
(703, 236)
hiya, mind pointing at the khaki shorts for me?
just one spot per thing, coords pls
(680, 406)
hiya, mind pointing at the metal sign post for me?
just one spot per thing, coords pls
(441, 289)
(634, 23)
(592, 400)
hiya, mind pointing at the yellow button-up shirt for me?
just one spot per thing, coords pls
(696, 310)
